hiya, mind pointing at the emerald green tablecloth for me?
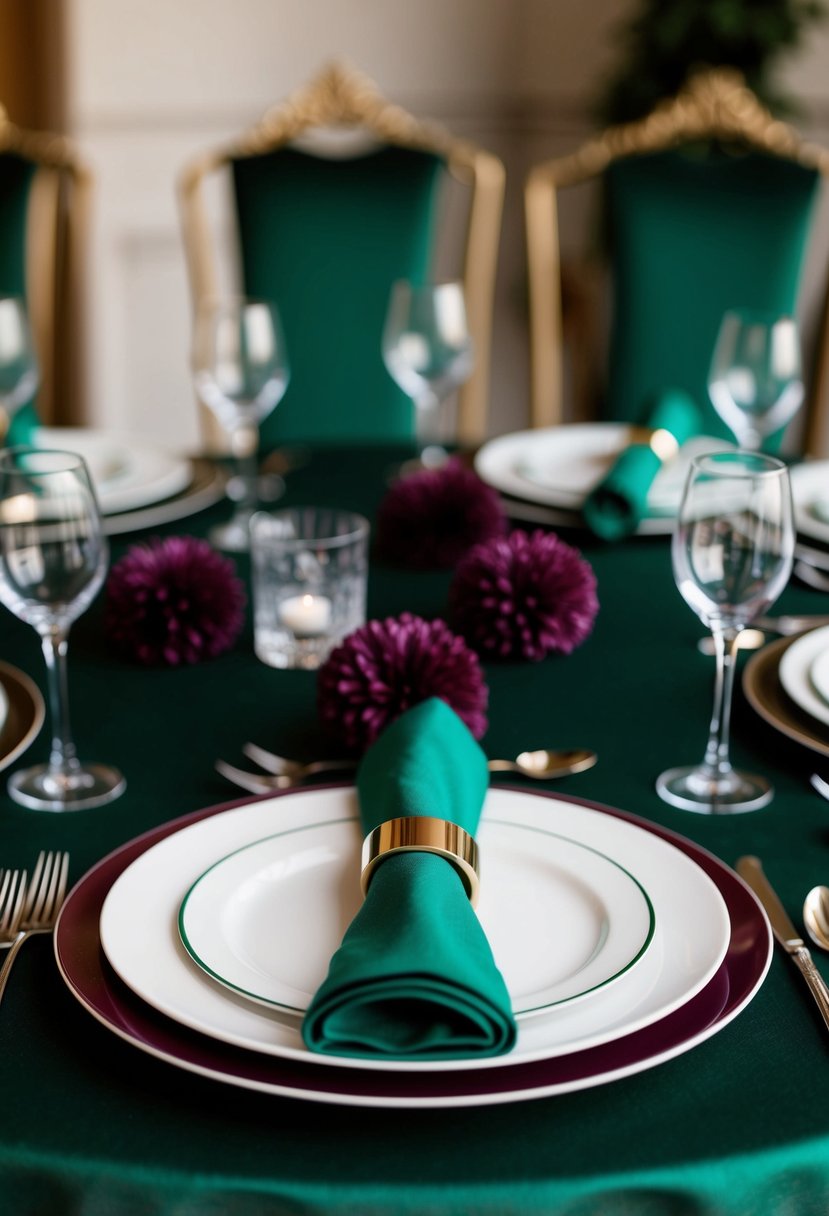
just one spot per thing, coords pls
(737, 1127)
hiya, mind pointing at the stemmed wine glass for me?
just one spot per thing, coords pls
(53, 559)
(240, 367)
(427, 350)
(19, 370)
(755, 380)
(732, 556)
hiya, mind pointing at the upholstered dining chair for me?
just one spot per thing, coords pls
(707, 204)
(335, 194)
(44, 194)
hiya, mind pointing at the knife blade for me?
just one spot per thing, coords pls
(751, 871)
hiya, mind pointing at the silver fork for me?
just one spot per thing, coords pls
(12, 898)
(44, 897)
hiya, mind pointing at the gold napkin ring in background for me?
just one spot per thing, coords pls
(661, 442)
(422, 834)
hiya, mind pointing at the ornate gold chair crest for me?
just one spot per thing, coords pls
(324, 225)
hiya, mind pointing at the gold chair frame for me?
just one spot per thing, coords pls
(714, 105)
(58, 210)
(342, 97)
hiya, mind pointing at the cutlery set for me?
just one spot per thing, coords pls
(282, 773)
(751, 871)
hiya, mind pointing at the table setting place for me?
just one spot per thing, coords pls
(406, 922)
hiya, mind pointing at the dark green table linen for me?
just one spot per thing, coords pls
(739, 1126)
(618, 504)
(414, 977)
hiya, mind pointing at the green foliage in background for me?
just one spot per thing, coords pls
(666, 40)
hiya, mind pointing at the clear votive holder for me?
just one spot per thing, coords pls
(310, 568)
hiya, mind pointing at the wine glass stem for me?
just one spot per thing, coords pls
(427, 421)
(717, 759)
(244, 441)
(63, 758)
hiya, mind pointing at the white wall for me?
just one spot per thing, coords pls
(152, 82)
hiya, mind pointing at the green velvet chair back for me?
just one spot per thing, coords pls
(691, 235)
(16, 174)
(337, 192)
(707, 204)
(326, 238)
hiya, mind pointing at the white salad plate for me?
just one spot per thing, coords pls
(127, 473)
(797, 666)
(559, 466)
(535, 883)
(141, 941)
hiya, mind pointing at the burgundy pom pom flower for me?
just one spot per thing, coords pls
(385, 667)
(431, 518)
(174, 601)
(523, 596)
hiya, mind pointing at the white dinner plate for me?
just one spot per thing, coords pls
(141, 941)
(810, 491)
(127, 473)
(535, 882)
(819, 675)
(559, 466)
(795, 672)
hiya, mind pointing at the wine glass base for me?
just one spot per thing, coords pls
(693, 788)
(233, 537)
(41, 789)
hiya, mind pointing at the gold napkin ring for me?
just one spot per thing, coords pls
(422, 834)
(661, 442)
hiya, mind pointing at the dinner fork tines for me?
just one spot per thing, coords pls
(44, 896)
(12, 897)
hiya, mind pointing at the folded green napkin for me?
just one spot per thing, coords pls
(620, 501)
(414, 977)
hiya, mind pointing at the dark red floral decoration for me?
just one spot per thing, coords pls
(430, 518)
(174, 601)
(385, 667)
(522, 596)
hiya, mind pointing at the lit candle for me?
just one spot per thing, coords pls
(307, 616)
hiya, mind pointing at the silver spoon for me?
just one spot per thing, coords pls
(546, 763)
(541, 764)
(820, 785)
(816, 916)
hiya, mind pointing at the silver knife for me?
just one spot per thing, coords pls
(751, 871)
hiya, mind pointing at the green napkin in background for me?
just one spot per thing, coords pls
(414, 977)
(619, 502)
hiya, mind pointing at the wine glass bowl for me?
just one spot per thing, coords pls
(732, 554)
(53, 561)
(755, 380)
(428, 352)
(240, 371)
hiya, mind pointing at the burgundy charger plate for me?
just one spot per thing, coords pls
(92, 981)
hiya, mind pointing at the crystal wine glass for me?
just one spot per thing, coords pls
(240, 367)
(53, 559)
(732, 556)
(755, 380)
(428, 352)
(19, 371)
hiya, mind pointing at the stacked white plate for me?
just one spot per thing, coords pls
(618, 942)
(138, 485)
(810, 491)
(804, 673)
(557, 467)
